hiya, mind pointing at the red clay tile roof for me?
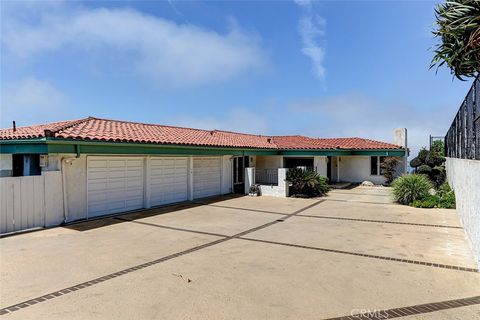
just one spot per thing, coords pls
(122, 131)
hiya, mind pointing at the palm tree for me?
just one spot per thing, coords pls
(458, 27)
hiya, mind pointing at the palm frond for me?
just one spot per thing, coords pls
(458, 27)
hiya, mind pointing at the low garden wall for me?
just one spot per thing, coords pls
(464, 177)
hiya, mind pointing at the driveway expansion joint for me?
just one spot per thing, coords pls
(58, 293)
(412, 310)
(380, 221)
(365, 255)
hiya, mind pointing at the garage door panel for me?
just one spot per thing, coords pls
(97, 199)
(168, 180)
(133, 204)
(97, 207)
(117, 206)
(134, 174)
(136, 184)
(93, 164)
(114, 185)
(114, 163)
(92, 175)
(97, 186)
(206, 177)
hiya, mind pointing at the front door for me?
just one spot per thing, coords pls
(329, 169)
(239, 165)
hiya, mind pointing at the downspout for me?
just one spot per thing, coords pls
(64, 190)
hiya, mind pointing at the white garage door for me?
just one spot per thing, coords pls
(168, 180)
(115, 184)
(207, 178)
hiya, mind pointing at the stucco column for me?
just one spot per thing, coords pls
(249, 178)
(282, 184)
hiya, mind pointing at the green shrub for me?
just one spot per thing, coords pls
(444, 198)
(411, 187)
(438, 175)
(447, 196)
(415, 162)
(307, 182)
(430, 201)
(434, 159)
(424, 169)
(422, 155)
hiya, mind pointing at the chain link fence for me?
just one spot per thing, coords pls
(463, 138)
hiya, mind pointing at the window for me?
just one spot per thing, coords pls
(239, 165)
(376, 165)
(382, 171)
(298, 162)
(26, 165)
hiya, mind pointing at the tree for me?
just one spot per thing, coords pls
(431, 164)
(458, 27)
(438, 146)
(389, 166)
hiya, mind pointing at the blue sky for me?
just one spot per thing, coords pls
(323, 69)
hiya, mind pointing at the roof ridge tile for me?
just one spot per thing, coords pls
(100, 129)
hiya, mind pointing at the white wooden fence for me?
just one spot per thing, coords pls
(31, 202)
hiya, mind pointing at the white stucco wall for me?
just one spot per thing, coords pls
(357, 169)
(75, 186)
(269, 162)
(320, 163)
(464, 178)
(54, 162)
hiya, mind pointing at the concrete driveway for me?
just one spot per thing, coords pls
(353, 252)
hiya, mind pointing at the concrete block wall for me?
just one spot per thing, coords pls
(464, 177)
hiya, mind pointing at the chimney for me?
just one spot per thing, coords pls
(400, 137)
(49, 133)
(14, 126)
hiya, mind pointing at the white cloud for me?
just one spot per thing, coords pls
(357, 115)
(237, 119)
(312, 31)
(166, 52)
(31, 100)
